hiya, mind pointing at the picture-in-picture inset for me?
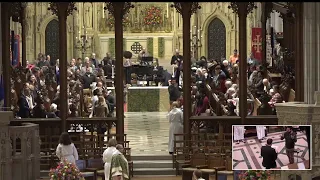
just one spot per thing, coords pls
(271, 147)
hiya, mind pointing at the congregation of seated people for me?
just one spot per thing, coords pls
(222, 77)
(35, 88)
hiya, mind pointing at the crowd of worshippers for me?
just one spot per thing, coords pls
(223, 78)
(35, 89)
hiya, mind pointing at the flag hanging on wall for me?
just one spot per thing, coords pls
(15, 60)
(256, 43)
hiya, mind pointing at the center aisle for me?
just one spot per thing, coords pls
(148, 132)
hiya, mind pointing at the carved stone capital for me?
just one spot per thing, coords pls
(186, 8)
(62, 8)
(242, 8)
(16, 11)
(118, 7)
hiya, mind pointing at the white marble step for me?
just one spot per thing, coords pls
(154, 171)
(150, 157)
(152, 164)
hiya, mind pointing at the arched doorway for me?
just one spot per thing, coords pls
(216, 40)
(52, 39)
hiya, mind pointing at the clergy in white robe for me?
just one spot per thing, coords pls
(261, 133)
(175, 118)
(107, 157)
(238, 133)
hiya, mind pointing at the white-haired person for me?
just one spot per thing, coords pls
(228, 84)
(88, 66)
(175, 118)
(53, 111)
(200, 76)
(94, 61)
(119, 169)
(230, 94)
(266, 85)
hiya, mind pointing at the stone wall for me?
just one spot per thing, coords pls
(91, 15)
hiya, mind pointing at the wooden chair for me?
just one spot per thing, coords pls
(223, 175)
(213, 150)
(198, 160)
(181, 156)
(212, 136)
(227, 136)
(97, 166)
(81, 164)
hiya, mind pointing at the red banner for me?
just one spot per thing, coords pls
(256, 43)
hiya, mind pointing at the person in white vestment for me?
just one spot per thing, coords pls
(107, 157)
(175, 118)
(66, 150)
(238, 133)
(261, 133)
(119, 165)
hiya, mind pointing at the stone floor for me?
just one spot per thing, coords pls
(148, 132)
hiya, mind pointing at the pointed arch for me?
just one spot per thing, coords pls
(42, 30)
(52, 39)
(228, 27)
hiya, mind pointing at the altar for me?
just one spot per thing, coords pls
(147, 99)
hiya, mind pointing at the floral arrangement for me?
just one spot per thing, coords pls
(153, 16)
(65, 171)
(125, 21)
(255, 175)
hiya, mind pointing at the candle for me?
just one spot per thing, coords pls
(103, 12)
(173, 75)
(112, 72)
(167, 10)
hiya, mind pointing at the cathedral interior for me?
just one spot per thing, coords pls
(118, 70)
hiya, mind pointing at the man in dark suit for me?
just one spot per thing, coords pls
(269, 155)
(177, 60)
(88, 78)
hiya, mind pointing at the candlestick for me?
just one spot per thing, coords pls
(167, 10)
(173, 74)
(112, 72)
(103, 12)
(79, 34)
(194, 29)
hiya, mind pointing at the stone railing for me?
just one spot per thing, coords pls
(299, 113)
(19, 150)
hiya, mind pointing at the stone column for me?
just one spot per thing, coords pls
(186, 15)
(311, 50)
(263, 33)
(298, 51)
(63, 63)
(241, 8)
(6, 63)
(186, 9)
(23, 33)
(62, 10)
(118, 15)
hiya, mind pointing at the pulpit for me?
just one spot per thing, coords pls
(19, 149)
(299, 113)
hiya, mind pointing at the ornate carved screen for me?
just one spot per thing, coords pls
(216, 40)
(52, 39)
